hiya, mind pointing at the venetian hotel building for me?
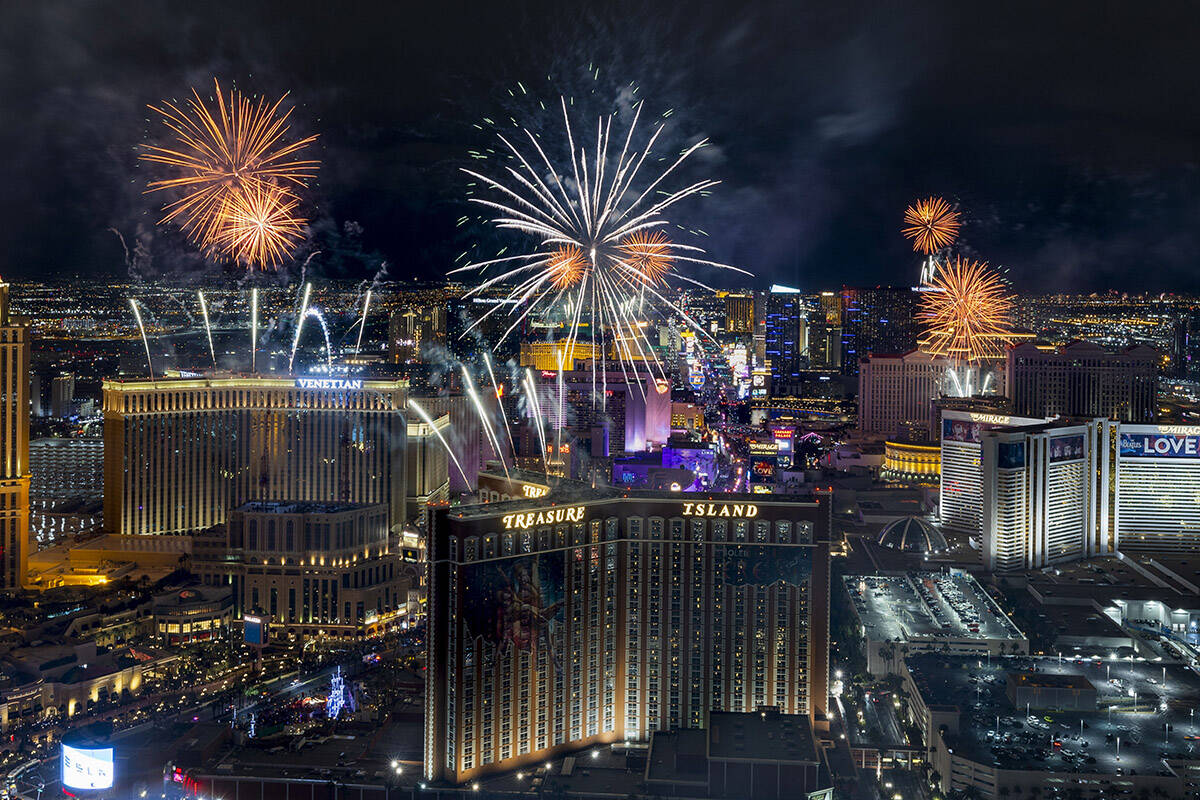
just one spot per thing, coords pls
(181, 453)
(596, 617)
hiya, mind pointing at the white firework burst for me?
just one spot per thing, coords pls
(602, 262)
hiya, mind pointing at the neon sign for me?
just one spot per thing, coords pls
(329, 383)
(739, 510)
(554, 515)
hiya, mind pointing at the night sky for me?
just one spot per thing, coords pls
(1067, 132)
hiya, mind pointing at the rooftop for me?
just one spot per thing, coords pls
(763, 736)
(289, 507)
(1133, 704)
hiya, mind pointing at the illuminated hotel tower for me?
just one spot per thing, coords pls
(14, 444)
(180, 454)
(567, 622)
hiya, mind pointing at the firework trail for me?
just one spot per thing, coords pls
(600, 259)
(145, 342)
(362, 324)
(232, 166)
(424, 415)
(512, 447)
(493, 442)
(317, 314)
(207, 328)
(300, 323)
(254, 329)
(535, 406)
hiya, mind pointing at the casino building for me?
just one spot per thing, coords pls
(961, 501)
(180, 454)
(601, 616)
(1045, 492)
(1157, 483)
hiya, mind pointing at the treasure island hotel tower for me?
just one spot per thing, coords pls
(602, 616)
(14, 447)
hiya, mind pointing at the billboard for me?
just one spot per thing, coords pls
(960, 430)
(1066, 448)
(762, 469)
(764, 565)
(256, 629)
(1010, 455)
(517, 604)
(87, 767)
(1159, 445)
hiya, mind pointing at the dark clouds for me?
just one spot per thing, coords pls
(1067, 131)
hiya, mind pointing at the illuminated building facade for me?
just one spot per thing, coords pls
(411, 329)
(1042, 502)
(896, 390)
(14, 448)
(961, 496)
(428, 466)
(880, 319)
(739, 313)
(556, 355)
(1083, 379)
(786, 337)
(179, 455)
(320, 569)
(1157, 486)
(914, 461)
(554, 626)
(1046, 492)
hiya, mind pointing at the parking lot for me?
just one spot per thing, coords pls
(1139, 725)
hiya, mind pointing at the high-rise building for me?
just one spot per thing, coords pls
(428, 466)
(465, 435)
(895, 391)
(1043, 492)
(35, 395)
(62, 396)
(825, 332)
(566, 622)
(785, 336)
(1083, 379)
(411, 329)
(878, 320)
(1040, 501)
(180, 454)
(14, 447)
(739, 313)
(961, 496)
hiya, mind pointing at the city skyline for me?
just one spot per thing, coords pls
(631, 400)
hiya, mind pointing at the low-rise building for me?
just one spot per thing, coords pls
(194, 614)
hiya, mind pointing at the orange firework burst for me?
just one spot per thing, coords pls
(223, 152)
(648, 254)
(931, 224)
(566, 267)
(258, 226)
(965, 312)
